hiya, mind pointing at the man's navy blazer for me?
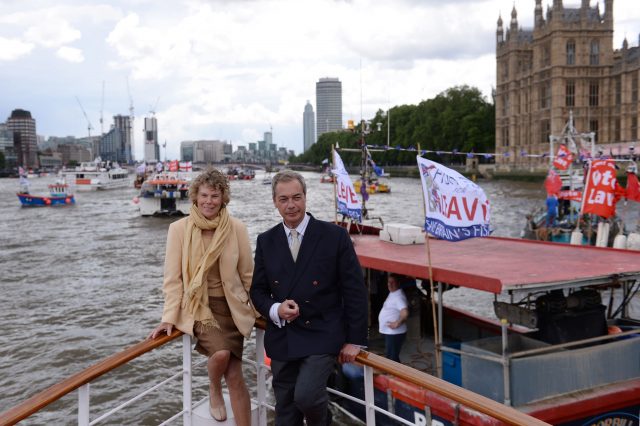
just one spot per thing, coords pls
(326, 282)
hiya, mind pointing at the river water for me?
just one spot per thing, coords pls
(80, 283)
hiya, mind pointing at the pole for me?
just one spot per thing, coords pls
(335, 182)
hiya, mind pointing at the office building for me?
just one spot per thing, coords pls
(565, 64)
(202, 151)
(308, 127)
(151, 145)
(328, 105)
(25, 142)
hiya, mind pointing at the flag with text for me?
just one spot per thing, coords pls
(347, 199)
(456, 208)
(600, 189)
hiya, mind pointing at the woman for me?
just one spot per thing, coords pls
(207, 274)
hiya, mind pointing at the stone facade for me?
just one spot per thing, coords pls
(565, 64)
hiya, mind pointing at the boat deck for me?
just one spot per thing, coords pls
(499, 265)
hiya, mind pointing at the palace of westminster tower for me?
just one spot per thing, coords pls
(565, 64)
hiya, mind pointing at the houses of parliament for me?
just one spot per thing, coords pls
(565, 64)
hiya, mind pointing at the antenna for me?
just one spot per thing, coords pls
(101, 110)
(89, 126)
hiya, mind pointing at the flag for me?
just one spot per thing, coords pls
(633, 187)
(600, 189)
(185, 166)
(456, 208)
(377, 170)
(552, 183)
(174, 166)
(563, 159)
(141, 169)
(159, 166)
(347, 199)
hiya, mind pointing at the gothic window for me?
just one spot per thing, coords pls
(570, 96)
(571, 52)
(505, 104)
(616, 129)
(594, 89)
(545, 96)
(594, 53)
(545, 131)
(618, 90)
(593, 127)
(634, 128)
(634, 87)
(545, 57)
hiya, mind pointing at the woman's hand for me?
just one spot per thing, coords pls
(163, 327)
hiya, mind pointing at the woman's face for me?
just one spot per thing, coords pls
(209, 201)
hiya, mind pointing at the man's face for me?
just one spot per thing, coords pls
(392, 284)
(290, 202)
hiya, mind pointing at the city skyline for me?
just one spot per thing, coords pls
(230, 70)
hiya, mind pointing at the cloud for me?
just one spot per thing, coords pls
(52, 33)
(13, 49)
(70, 54)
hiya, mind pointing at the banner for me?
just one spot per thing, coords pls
(600, 189)
(552, 182)
(347, 199)
(569, 194)
(173, 166)
(563, 159)
(456, 208)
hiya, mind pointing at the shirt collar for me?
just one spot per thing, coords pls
(301, 228)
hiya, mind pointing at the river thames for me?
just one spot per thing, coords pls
(80, 283)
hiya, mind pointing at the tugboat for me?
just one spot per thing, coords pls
(58, 195)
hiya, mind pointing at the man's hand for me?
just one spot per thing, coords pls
(348, 353)
(288, 310)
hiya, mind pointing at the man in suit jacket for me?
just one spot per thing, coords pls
(316, 304)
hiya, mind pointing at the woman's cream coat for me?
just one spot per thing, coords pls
(236, 270)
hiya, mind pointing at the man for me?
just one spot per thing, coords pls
(392, 318)
(307, 281)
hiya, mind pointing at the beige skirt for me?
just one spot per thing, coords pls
(214, 339)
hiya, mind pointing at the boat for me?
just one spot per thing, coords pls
(374, 186)
(165, 194)
(554, 348)
(59, 195)
(97, 175)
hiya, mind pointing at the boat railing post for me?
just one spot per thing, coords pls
(83, 405)
(186, 380)
(506, 359)
(369, 396)
(261, 378)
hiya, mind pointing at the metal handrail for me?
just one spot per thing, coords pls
(371, 361)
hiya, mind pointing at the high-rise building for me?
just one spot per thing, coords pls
(123, 123)
(565, 64)
(328, 105)
(151, 145)
(202, 151)
(308, 127)
(25, 142)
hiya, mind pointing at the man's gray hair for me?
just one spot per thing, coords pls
(287, 176)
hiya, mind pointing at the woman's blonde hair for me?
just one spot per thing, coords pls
(213, 178)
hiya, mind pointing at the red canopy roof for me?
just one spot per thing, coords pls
(500, 264)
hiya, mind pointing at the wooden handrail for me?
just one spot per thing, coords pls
(463, 396)
(57, 391)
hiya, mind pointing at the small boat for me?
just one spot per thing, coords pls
(59, 195)
(165, 194)
(97, 174)
(373, 187)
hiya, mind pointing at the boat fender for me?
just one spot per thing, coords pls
(620, 241)
(136, 200)
(603, 234)
(67, 200)
(47, 201)
(576, 238)
(633, 241)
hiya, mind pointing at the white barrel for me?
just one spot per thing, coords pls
(620, 241)
(576, 238)
(633, 241)
(603, 234)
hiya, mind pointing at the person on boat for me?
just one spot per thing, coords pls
(207, 275)
(392, 318)
(308, 283)
(552, 210)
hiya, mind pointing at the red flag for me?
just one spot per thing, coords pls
(570, 195)
(564, 157)
(633, 187)
(173, 166)
(552, 183)
(600, 190)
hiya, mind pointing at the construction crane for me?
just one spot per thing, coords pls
(101, 110)
(89, 126)
(152, 110)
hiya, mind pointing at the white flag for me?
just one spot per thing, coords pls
(456, 208)
(348, 202)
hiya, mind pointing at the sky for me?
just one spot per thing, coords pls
(234, 69)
